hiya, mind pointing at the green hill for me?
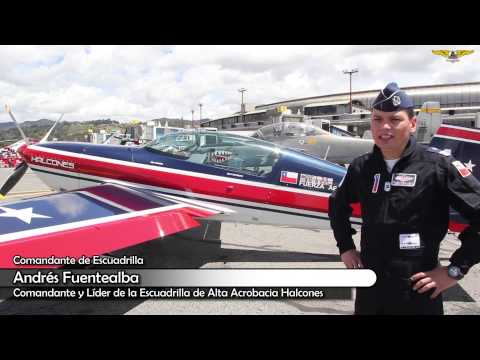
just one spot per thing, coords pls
(68, 130)
(73, 130)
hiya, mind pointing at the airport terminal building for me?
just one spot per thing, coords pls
(459, 104)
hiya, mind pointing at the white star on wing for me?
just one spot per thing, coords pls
(25, 215)
(470, 165)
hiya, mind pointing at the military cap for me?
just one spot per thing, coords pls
(392, 98)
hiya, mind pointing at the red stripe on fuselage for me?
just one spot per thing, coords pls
(357, 212)
(459, 133)
(187, 183)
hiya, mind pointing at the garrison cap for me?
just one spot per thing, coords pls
(392, 98)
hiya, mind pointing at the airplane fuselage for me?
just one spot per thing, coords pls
(295, 193)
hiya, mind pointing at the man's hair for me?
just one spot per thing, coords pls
(410, 112)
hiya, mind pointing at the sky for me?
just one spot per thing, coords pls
(146, 82)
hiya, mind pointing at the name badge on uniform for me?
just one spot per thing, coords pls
(402, 179)
(409, 241)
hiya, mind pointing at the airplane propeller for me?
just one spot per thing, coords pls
(14, 178)
(23, 166)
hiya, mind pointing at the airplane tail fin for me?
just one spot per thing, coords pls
(429, 120)
(464, 145)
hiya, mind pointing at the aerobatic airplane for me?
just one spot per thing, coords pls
(113, 197)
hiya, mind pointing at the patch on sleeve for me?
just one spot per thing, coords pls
(462, 169)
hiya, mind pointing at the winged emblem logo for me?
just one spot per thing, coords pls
(452, 55)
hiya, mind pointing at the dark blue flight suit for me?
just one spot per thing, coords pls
(413, 200)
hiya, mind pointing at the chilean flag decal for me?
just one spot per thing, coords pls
(289, 177)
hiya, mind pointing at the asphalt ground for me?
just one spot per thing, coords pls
(241, 246)
(29, 184)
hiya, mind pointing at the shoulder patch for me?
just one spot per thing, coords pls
(462, 169)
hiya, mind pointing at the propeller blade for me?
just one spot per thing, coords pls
(51, 129)
(8, 109)
(14, 178)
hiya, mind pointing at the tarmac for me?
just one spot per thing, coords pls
(239, 246)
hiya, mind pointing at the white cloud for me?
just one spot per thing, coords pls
(125, 82)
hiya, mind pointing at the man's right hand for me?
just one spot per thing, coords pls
(351, 259)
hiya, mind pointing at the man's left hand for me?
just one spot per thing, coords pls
(437, 278)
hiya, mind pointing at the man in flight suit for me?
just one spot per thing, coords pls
(405, 191)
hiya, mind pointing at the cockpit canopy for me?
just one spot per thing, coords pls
(288, 129)
(222, 150)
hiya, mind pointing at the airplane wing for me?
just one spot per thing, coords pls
(463, 52)
(444, 53)
(91, 221)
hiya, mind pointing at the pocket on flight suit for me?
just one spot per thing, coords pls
(368, 301)
(398, 289)
(401, 298)
(423, 305)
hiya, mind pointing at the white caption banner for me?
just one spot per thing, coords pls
(259, 278)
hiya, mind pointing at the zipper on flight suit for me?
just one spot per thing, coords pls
(387, 193)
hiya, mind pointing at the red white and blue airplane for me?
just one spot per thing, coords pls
(113, 197)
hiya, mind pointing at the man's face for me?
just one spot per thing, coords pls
(391, 130)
